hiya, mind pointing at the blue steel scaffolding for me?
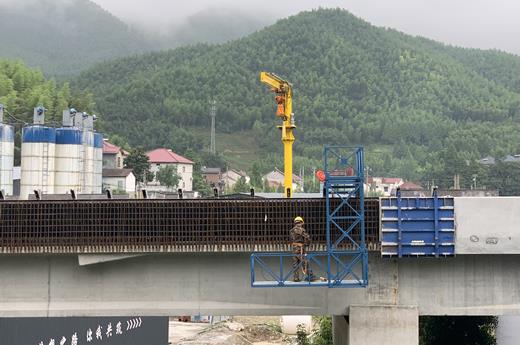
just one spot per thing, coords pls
(344, 263)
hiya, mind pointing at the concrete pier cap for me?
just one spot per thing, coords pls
(377, 324)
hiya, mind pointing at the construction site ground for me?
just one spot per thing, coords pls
(239, 330)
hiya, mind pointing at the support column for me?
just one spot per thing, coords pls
(340, 329)
(508, 330)
(389, 325)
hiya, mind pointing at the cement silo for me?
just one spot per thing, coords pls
(98, 164)
(38, 151)
(6, 155)
(68, 156)
(88, 153)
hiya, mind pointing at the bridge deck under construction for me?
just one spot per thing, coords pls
(190, 225)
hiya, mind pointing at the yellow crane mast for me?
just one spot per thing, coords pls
(283, 90)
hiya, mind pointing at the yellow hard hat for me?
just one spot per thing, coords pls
(298, 219)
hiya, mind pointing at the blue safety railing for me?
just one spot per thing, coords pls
(417, 226)
(344, 263)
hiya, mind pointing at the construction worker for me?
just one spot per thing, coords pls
(300, 239)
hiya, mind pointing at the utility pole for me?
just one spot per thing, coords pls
(302, 175)
(213, 114)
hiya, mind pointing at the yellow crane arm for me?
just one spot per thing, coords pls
(283, 90)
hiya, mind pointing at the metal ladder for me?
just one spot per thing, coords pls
(2, 177)
(45, 167)
(82, 163)
(77, 181)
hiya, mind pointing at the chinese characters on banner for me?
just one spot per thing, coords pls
(112, 330)
(101, 332)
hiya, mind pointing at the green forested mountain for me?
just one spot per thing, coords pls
(64, 37)
(494, 65)
(498, 66)
(424, 110)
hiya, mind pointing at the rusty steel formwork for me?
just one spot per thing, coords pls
(143, 226)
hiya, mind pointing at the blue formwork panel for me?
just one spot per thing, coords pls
(417, 227)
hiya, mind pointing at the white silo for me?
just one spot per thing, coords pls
(68, 156)
(88, 153)
(6, 155)
(98, 164)
(38, 150)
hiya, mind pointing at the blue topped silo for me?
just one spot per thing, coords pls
(37, 166)
(6, 155)
(98, 164)
(68, 160)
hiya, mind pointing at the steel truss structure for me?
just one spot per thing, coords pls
(344, 263)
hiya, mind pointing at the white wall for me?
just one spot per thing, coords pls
(122, 183)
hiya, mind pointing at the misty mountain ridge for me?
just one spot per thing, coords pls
(63, 37)
(215, 25)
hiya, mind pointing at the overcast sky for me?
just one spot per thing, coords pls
(470, 23)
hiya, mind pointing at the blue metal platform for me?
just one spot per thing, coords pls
(345, 261)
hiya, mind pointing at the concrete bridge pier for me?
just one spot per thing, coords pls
(368, 325)
(340, 328)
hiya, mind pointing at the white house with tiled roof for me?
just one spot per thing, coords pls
(276, 179)
(113, 156)
(162, 157)
(386, 186)
(119, 180)
(231, 177)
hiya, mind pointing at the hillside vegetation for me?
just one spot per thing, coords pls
(426, 111)
(22, 89)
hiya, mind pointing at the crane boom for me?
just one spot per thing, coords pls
(283, 90)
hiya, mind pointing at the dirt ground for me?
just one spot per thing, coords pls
(180, 330)
(239, 330)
